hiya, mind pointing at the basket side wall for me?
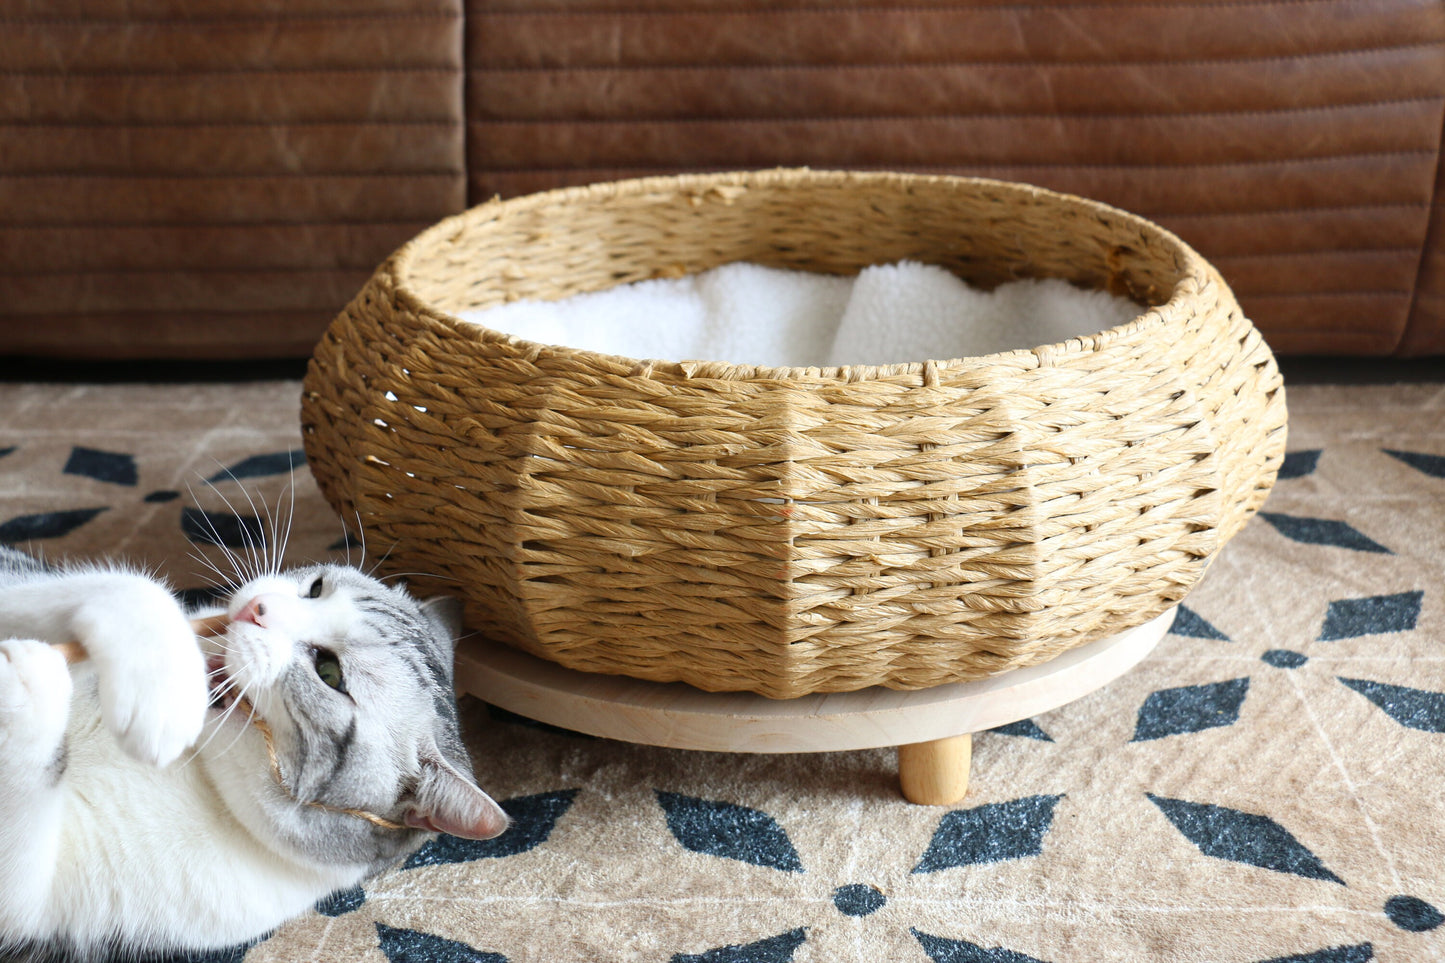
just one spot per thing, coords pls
(795, 530)
(427, 484)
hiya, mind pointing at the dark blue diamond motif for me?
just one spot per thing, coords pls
(774, 949)
(1284, 659)
(1375, 615)
(8, 450)
(1412, 708)
(410, 946)
(989, 834)
(1323, 531)
(113, 467)
(223, 528)
(1190, 708)
(1025, 728)
(1188, 623)
(1413, 914)
(342, 901)
(942, 950)
(1429, 464)
(857, 899)
(729, 830)
(259, 466)
(1298, 464)
(1242, 837)
(1335, 954)
(533, 819)
(27, 528)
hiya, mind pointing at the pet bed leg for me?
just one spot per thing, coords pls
(935, 773)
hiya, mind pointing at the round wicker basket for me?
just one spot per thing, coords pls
(794, 530)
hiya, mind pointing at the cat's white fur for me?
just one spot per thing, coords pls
(146, 841)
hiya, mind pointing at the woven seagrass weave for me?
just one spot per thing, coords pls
(794, 530)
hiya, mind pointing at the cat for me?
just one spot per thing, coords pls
(140, 809)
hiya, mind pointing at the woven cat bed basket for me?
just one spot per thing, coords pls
(794, 530)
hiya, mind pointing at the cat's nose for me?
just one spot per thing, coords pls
(253, 611)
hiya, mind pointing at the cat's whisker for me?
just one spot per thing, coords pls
(394, 575)
(237, 565)
(285, 536)
(276, 545)
(259, 552)
(360, 539)
(279, 524)
(256, 559)
(219, 579)
(371, 572)
(271, 549)
(239, 697)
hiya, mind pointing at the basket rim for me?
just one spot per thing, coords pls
(1195, 270)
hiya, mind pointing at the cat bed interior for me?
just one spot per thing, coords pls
(789, 529)
(757, 315)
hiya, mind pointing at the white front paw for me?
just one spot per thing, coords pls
(152, 680)
(34, 700)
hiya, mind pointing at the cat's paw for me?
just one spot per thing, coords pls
(152, 682)
(35, 692)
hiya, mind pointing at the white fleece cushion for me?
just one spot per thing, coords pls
(746, 313)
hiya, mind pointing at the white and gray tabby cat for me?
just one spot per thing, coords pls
(139, 809)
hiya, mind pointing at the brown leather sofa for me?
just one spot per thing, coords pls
(187, 180)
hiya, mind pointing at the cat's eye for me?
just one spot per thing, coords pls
(328, 669)
(314, 592)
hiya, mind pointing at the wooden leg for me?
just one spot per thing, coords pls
(935, 773)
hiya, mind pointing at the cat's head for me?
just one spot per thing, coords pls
(353, 679)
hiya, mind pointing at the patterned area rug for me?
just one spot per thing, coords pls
(1268, 785)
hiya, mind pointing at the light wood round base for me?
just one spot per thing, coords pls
(931, 727)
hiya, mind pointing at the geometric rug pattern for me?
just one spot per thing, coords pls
(1269, 784)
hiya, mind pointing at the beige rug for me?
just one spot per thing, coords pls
(1269, 784)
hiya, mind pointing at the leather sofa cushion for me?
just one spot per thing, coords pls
(215, 180)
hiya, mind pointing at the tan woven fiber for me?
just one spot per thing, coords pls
(794, 530)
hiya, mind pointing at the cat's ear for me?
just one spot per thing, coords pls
(446, 801)
(445, 612)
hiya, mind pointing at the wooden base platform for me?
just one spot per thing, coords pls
(931, 727)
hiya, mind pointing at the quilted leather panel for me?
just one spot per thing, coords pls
(1293, 143)
(217, 180)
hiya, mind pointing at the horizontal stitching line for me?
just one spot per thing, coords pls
(989, 165)
(1284, 211)
(214, 225)
(267, 21)
(1413, 251)
(228, 125)
(1366, 293)
(916, 7)
(131, 313)
(128, 272)
(236, 71)
(1014, 115)
(1016, 64)
(273, 175)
